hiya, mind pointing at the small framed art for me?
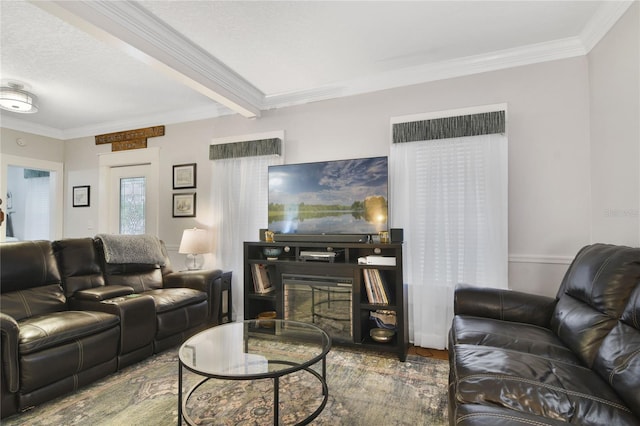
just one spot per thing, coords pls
(184, 205)
(184, 176)
(81, 196)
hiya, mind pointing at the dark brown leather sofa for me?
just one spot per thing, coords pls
(67, 317)
(520, 359)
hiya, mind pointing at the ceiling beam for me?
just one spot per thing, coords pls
(140, 34)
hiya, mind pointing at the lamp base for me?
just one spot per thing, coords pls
(194, 262)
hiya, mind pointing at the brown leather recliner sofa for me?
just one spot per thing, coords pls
(69, 317)
(521, 359)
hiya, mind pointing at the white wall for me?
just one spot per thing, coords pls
(34, 146)
(614, 85)
(548, 150)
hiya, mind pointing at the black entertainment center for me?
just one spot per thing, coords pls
(329, 284)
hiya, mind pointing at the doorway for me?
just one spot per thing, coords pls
(128, 192)
(32, 195)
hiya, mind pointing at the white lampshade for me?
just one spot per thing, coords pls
(194, 242)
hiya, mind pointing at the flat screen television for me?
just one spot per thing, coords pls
(330, 197)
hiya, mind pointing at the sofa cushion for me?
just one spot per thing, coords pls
(618, 360)
(75, 362)
(27, 264)
(168, 299)
(172, 326)
(34, 301)
(513, 336)
(581, 327)
(534, 385)
(593, 295)
(45, 331)
(141, 277)
(488, 415)
(79, 264)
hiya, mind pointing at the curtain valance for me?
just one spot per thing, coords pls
(450, 127)
(253, 148)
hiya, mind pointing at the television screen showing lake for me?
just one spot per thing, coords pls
(332, 197)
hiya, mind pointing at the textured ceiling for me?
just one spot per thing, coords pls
(286, 52)
(79, 80)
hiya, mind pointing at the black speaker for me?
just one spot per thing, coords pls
(397, 235)
(262, 237)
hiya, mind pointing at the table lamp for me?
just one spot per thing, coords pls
(194, 243)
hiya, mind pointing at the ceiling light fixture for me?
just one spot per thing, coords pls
(14, 98)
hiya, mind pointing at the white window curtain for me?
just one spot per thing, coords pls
(450, 196)
(240, 189)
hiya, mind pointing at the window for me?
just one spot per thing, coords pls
(132, 205)
(449, 192)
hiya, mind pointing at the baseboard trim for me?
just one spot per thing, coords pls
(540, 259)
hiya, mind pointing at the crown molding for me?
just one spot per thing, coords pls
(602, 21)
(493, 61)
(182, 116)
(132, 29)
(597, 27)
(280, 100)
(170, 117)
(28, 127)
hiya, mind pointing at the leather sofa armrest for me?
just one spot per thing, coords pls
(198, 280)
(103, 293)
(217, 285)
(137, 313)
(9, 332)
(506, 305)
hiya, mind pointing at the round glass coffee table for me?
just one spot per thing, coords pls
(252, 350)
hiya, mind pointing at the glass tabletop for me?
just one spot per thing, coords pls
(254, 349)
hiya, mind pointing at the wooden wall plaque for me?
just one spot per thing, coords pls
(130, 139)
(132, 144)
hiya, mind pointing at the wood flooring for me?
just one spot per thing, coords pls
(428, 353)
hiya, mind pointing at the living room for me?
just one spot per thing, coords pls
(573, 156)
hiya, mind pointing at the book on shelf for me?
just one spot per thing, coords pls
(384, 286)
(376, 287)
(261, 280)
(367, 286)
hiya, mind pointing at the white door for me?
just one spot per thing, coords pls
(118, 170)
(131, 201)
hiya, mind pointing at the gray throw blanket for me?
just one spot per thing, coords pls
(120, 249)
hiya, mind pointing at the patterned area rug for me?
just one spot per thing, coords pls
(365, 388)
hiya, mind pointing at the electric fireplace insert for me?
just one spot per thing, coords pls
(320, 300)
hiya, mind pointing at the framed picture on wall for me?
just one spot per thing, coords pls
(81, 196)
(184, 176)
(184, 205)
